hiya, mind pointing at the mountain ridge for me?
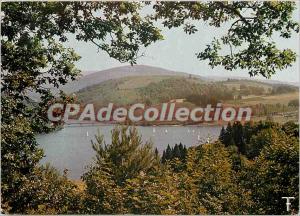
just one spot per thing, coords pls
(120, 72)
(97, 77)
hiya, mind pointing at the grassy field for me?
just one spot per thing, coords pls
(121, 91)
(237, 83)
(140, 81)
(266, 99)
(276, 118)
(153, 90)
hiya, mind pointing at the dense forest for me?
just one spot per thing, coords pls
(246, 171)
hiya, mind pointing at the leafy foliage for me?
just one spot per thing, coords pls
(275, 173)
(213, 179)
(125, 155)
(251, 138)
(127, 176)
(50, 193)
(35, 58)
(125, 158)
(249, 26)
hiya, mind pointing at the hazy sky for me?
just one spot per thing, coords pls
(177, 52)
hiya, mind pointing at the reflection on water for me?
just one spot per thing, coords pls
(70, 148)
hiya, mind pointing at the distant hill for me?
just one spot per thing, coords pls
(120, 72)
(266, 81)
(147, 89)
(144, 70)
(152, 86)
(163, 88)
(147, 74)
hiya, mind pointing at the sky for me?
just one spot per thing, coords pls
(177, 52)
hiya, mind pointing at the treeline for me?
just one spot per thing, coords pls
(178, 151)
(246, 172)
(244, 137)
(283, 89)
(128, 177)
(258, 90)
(194, 92)
(251, 90)
(270, 109)
(293, 103)
(156, 92)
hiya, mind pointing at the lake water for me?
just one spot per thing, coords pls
(70, 148)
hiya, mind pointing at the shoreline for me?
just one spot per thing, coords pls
(142, 125)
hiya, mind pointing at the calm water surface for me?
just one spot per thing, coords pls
(70, 148)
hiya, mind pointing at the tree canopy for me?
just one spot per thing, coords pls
(35, 58)
(247, 42)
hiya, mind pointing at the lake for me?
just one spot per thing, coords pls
(70, 148)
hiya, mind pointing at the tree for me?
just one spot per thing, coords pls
(35, 59)
(156, 152)
(274, 174)
(291, 129)
(102, 194)
(178, 151)
(117, 163)
(183, 151)
(168, 154)
(19, 155)
(222, 135)
(218, 189)
(50, 193)
(249, 129)
(238, 136)
(247, 42)
(154, 193)
(238, 160)
(126, 156)
(228, 136)
(258, 142)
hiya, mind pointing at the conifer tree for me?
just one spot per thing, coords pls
(238, 137)
(169, 153)
(125, 156)
(222, 135)
(176, 152)
(228, 136)
(163, 158)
